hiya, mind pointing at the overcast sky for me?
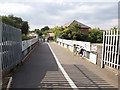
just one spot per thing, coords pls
(39, 13)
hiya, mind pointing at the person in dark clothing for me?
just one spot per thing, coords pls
(43, 39)
(81, 51)
(48, 39)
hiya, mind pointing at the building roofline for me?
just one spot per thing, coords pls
(82, 25)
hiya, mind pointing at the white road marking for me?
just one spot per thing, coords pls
(71, 83)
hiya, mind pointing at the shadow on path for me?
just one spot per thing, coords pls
(35, 68)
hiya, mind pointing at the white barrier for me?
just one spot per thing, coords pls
(65, 45)
(93, 58)
(28, 43)
(86, 45)
(71, 48)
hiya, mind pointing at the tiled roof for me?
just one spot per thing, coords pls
(76, 22)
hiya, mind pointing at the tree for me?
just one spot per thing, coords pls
(72, 33)
(38, 32)
(45, 28)
(25, 27)
(16, 22)
(95, 36)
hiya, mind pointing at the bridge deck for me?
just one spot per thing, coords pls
(42, 71)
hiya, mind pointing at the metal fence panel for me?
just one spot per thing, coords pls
(0, 55)
(111, 49)
(11, 46)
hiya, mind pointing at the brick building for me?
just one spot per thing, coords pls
(84, 28)
(50, 34)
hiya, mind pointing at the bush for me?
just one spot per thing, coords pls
(95, 36)
(25, 37)
(74, 33)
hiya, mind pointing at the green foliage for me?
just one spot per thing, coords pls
(31, 31)
(74, 33)
(24, 27)
(38, 32)
(114, 30)
(57, 31)
(16, 22)
(95, 36)
(10, 20)
(44, 30)
(25, 37)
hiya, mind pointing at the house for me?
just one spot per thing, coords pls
(33, 34)
(50, 34)
(84, 28)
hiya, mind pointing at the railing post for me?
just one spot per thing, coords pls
(0, 53)
(103, 51)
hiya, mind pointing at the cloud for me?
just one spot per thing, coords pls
(59, 1)
(88, 13)
(13, 8)
(56, 13)
(111, 23)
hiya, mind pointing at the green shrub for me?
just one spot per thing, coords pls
(25, 37)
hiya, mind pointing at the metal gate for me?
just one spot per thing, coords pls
(111, 49)
(10, 46)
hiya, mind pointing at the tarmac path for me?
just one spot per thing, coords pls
(41, 70)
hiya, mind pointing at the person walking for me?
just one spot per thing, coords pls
(48, 39)
(43, 39)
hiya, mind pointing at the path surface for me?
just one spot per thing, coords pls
(42, 71)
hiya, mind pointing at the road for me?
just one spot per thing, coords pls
(41, 70)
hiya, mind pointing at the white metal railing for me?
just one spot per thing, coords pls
(86, 45)
(111, 49)
(78, 46)
(28, 43)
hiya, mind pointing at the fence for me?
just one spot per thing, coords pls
(111, 49)
(86, 45)
(11, 49)
(0, 54)
(28, 45)
(91, 56)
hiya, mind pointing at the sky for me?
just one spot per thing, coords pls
(40, 13)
